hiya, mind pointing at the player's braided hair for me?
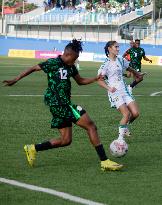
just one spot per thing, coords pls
(137, 40)
(75, 45)
(108, 44)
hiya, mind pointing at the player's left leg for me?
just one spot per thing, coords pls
(130, 88)
(86, 123)
(137, 80)
(134, 110)
(128, 74)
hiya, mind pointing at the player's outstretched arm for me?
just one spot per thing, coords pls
(22, 75)
(85, 81)
(104, 85)
(147, 59)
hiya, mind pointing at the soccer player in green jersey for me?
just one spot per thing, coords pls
(136, 54)
(126, 55)
(64, 112)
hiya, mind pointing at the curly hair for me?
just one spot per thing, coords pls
(75, 45)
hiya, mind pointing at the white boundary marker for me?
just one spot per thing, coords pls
(49, 191)
(156, 93)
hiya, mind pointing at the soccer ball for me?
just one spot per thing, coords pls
(118, 148)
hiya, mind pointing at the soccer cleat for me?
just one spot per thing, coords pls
(127, 133)
(30, 153)
(130, 89)
(109, 165)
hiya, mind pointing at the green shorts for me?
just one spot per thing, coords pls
(65, 115)
(135, 66)
(138, 69)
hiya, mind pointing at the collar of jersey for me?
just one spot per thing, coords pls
(108, 59)
(59, 57)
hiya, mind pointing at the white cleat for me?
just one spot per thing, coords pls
(127, 133)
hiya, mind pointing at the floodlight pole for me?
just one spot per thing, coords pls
(2, 16)
(23, 7)
(154, 22)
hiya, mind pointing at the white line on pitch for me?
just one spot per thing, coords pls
(155, 93)
(72, 95)
(50, 191)
(25, 95)
(11, 65)
(42, 95)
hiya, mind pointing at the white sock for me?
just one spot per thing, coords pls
(122, 130)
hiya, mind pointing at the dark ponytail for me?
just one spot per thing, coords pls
(108, 44)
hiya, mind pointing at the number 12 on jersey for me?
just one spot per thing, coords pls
(63, 73)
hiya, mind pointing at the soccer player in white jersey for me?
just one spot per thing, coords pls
(112, 70)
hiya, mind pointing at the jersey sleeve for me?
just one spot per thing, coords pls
(127, 51)
(48, 65)
(124, 63)
(143, 54)
(75, 71)
(103, 68)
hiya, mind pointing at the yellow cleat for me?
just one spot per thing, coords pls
(30, 153)
(109, 165)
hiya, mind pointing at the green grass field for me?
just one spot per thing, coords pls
(76, 169)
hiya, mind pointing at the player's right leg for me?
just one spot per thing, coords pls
(65, 139)
(60, 122)
(30, 153)
(123, 126)
(106, 164)
(120, 104)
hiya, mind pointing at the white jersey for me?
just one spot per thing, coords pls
(113, 72)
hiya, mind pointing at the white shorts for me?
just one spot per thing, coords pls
(119, 98)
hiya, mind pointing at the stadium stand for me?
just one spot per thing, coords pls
(97, 24)
(77, 16)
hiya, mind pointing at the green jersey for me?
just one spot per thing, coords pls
(136, 55)
(59, 84)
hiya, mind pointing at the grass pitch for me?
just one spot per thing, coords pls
(76, 169)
